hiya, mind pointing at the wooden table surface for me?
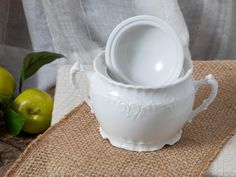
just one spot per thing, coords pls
(11, 147)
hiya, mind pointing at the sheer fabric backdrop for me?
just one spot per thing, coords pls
(79, 28)
(211, 25)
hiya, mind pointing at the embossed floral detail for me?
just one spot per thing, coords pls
(136, 111)
(133, 110)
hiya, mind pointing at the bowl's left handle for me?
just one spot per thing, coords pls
(77, 67)
(208, 80)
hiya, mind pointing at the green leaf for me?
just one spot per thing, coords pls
(33, 62)
(7, 100)
(14, 121)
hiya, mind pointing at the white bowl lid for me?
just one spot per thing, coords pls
(144, 50)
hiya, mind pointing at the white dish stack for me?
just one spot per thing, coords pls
(144, 50)
(141, 90)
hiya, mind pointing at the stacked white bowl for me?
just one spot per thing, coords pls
(144, 50)
(142, 90)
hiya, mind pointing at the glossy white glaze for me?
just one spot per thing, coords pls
(139, 118)
(144, 50)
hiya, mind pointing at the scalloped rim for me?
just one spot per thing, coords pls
(113, 82)
(132, 146)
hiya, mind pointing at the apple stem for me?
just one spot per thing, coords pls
(34, 111)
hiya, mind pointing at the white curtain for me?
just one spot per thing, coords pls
(14, 37)
(80, 28)
(212, 26)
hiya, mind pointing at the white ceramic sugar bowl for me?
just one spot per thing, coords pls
(139, 118)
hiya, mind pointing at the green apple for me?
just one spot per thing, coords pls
(36, 107)
(7, 85)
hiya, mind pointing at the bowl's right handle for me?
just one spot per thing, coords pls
(209, 79)
(77, 67)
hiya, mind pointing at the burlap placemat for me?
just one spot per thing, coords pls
(73, 147)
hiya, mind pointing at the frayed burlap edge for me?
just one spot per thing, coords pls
(216, 152)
